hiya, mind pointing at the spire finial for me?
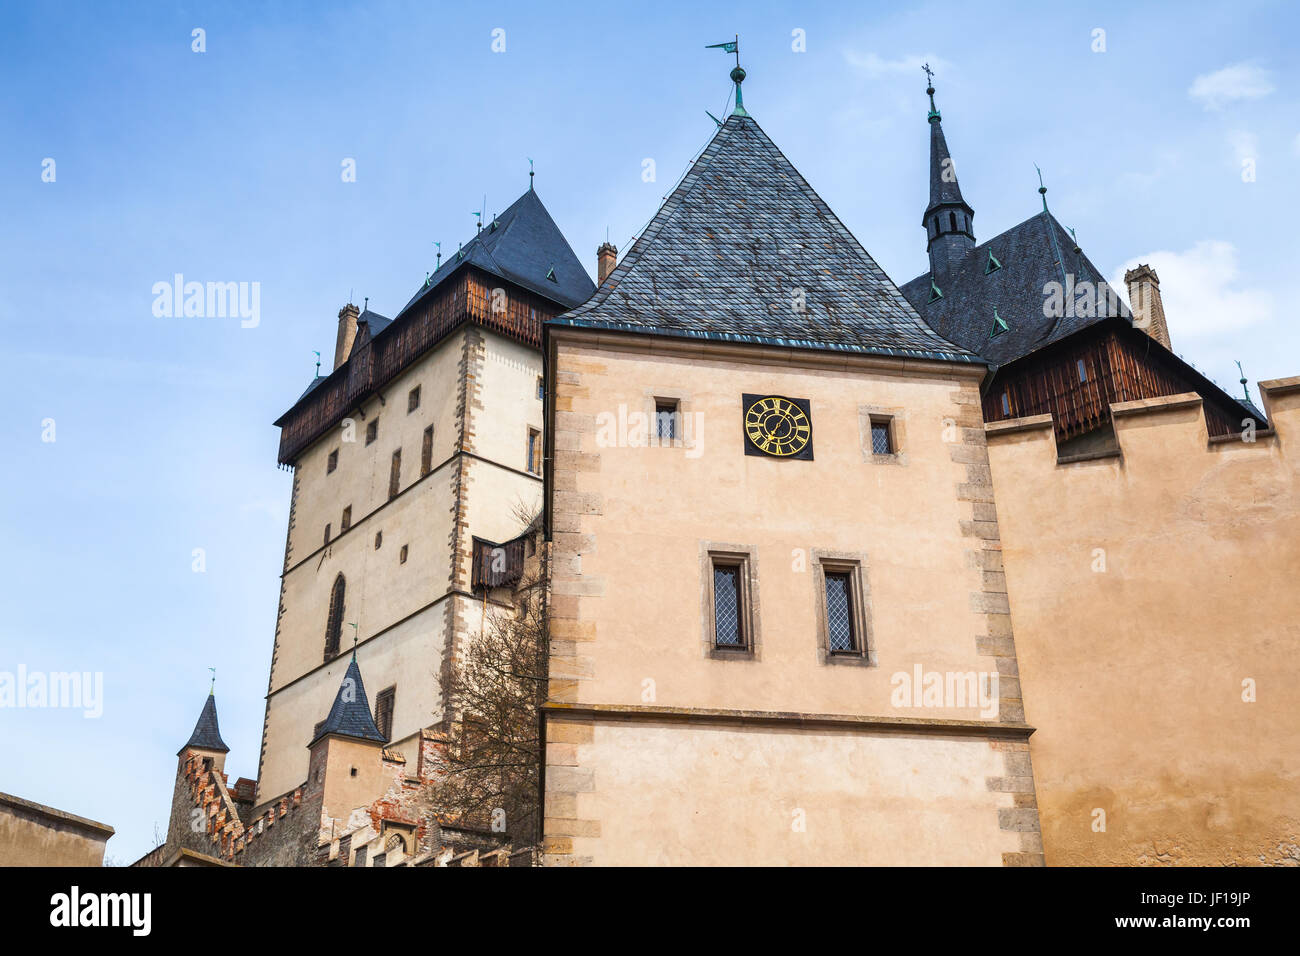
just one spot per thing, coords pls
(1244, 387)
(438, 264)
(530, 175)
(737, 73)
(1042, 190)
(355, 632)
(317, 363)
(212, 689)
(929, 89)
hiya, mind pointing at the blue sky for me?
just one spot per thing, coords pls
(226, 166)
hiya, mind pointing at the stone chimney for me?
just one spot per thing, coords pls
(1144, 296)
(347, 332)
(606, 258)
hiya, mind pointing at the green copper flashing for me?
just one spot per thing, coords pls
(933, 116)
(934, 291)
(992, 265)
(999, 324)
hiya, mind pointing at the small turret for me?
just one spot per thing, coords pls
(949, 231)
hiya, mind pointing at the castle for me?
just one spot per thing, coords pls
(970, 571)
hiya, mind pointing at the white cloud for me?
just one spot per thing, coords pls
(1200, 291)
(1242, 81)
(873, 64)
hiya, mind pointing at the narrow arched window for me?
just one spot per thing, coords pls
(952, 220)
(334, 623)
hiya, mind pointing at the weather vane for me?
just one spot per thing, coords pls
(929, 74)
(317, 363)
(530, 174)
(439, 259)
(212, 688)
(354, 639)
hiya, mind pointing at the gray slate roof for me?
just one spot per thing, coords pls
(350, 716)
(523, 244)
(725, 253)
(1032, 254)
(943, 191)
(207, 735)
(376, 321)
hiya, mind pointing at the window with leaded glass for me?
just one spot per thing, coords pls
(841, 636)
(666, 415)
(728, 607)
(882, 440)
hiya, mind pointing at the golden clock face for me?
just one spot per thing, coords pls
(777, 426)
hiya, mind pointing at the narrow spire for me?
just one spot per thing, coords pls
(948, 218)
(207, 734)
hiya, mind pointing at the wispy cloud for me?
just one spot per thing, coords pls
(873, 64)
(1241, 81)
(1200, 289)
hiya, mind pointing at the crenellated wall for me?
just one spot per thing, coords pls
(1155, 604)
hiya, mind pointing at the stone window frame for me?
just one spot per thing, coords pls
(896, 418)
(651, 398)
(855, 565)
(534, 452)
(746, 558)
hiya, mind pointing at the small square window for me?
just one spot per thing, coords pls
(882, 436)
(412, 399)
(401, 557)
(666, 419)
(332, 462)
(347, 519)
(372, 431)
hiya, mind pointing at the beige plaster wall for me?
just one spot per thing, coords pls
(32, 834)
(668, 794)
(1134, 674)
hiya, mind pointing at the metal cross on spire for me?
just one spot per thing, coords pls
(929, 74)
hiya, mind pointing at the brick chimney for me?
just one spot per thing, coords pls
(606, 258)
(347, 332)
(1148, 311)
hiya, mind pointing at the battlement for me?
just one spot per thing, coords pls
(1149, 430)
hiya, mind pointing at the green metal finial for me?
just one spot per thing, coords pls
(737, 74)
(929, 89)
(1076, 240)
(317, 375)
(438, 261)
(530, 175)
(354, 639)
(212, 689)
(1042, 190)
(1244, 387)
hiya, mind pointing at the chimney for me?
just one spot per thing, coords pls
(347, 332)
(1148, 311)
(606, 257)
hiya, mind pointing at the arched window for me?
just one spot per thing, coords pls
(952, 220)
(334, 623)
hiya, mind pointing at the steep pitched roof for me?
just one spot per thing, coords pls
(726, 254)
(944, 190)
(372, 319)
(207, 735)
(523, 245)
(1028, 256)
(350, 715)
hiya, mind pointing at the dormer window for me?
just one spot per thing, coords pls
(550, 274)
(934, 292)
(992, 265)
(999, 324)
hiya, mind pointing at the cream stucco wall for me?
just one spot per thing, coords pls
(406, 612)
(631, 531)
(1133, 669)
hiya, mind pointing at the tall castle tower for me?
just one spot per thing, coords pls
(423, 444)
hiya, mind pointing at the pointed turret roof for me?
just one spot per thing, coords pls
(350, 716)
(739, 247)
(525, 246)
(944, 190)
(207, 735)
